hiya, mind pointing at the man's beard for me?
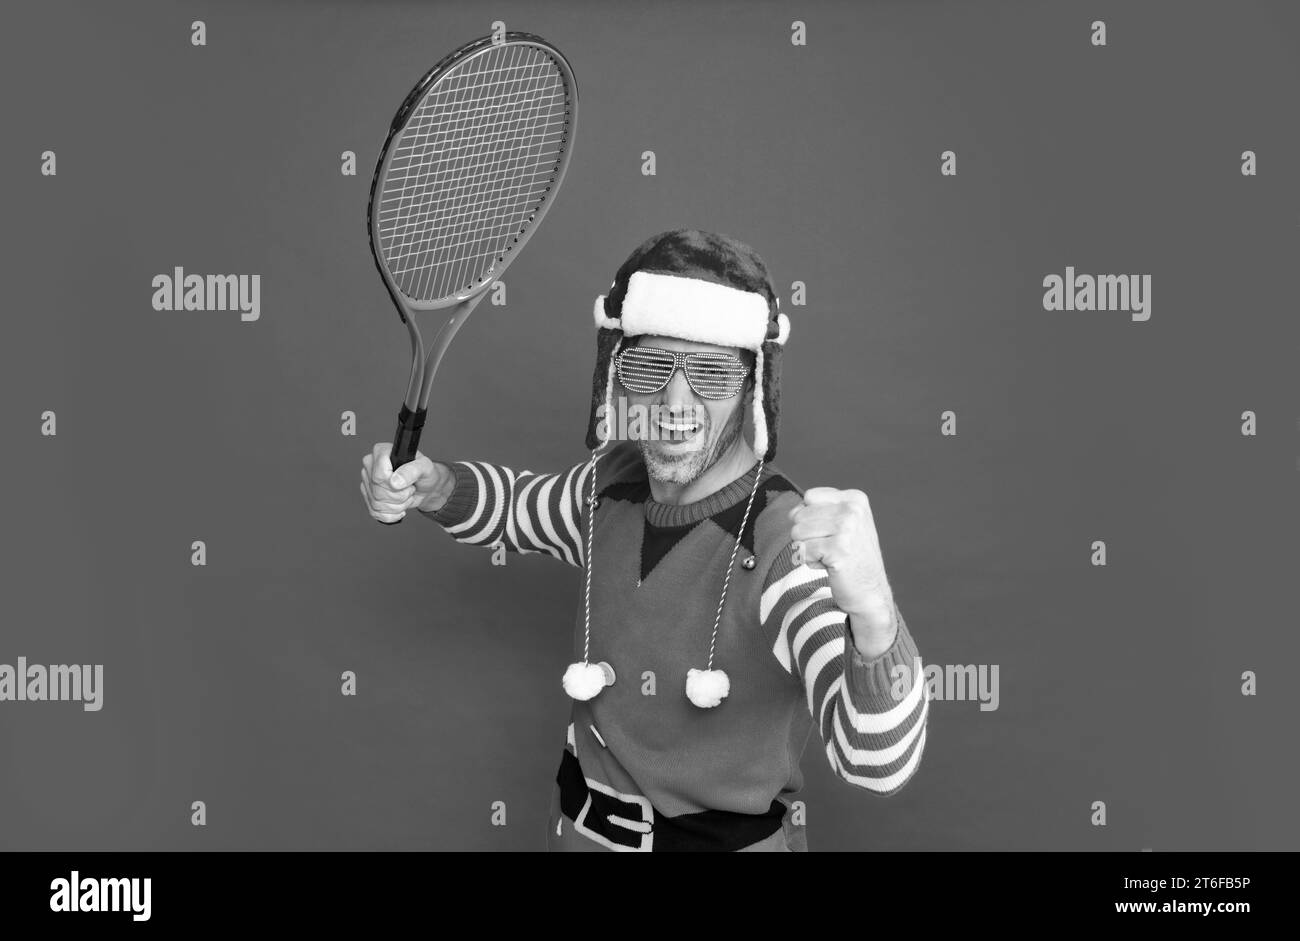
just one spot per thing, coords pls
(683, 469)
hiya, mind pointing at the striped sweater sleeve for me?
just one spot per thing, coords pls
(524, 511)
(871, 717)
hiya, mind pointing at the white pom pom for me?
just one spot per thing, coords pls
(707, 688)
(584, 680)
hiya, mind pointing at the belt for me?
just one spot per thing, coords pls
(629, 822)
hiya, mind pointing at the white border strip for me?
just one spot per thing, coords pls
(693, 309)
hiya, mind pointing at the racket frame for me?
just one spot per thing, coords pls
(410, 420)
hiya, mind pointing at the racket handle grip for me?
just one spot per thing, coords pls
(406, 440)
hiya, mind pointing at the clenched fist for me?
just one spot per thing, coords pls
(420, 485)
(835, 531)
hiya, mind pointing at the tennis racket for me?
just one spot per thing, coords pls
(473, 160)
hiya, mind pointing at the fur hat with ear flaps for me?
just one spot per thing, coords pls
(702, 287)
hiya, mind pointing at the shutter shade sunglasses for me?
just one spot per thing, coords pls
(645, 370)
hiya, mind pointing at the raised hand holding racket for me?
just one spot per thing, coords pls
(473, 160)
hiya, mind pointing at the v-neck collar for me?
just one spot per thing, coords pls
(686, 514)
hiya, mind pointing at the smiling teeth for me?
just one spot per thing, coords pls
(668, 426)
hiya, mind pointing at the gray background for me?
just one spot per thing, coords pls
(924, 294)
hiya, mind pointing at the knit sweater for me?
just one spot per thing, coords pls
(657, 572)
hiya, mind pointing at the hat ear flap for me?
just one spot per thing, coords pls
(767, 400)
(608, 341)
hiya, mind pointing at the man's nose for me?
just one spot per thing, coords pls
(679, 397)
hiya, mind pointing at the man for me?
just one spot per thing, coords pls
(724, 614)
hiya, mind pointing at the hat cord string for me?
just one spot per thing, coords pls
(717, 619)
(591, 526)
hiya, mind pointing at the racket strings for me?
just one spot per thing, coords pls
(451, 212)
(465, 149)
(461, 231)
(472, 167)
(421, 173)
(478, 214)
(448, 110)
